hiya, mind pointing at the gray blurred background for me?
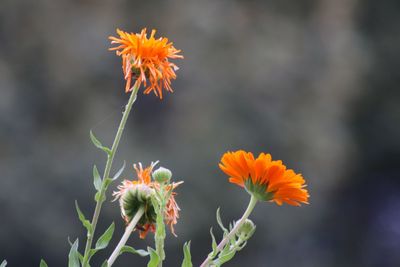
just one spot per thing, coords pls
(315, 83)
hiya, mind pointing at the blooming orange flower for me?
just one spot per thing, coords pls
(133, 194)
(266, 179)
(146, 59)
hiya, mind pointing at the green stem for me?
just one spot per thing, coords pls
(126, 235)
(106, 174)
(160, 232)
(221, 245)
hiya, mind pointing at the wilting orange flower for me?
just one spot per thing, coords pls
(146, 60)
(266, 179)
(133, 194)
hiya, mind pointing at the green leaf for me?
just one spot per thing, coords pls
(105, 264)
(224, 258)
(43, 263)
(105, 238)
(3, 264)
(73, 256)
(220, 221)
(187, 257)
(98, 144)
(82, 218)
(154, 258)
(140, 252)
(96, 178)
(119, 172)
(213, 244)
(226, 249)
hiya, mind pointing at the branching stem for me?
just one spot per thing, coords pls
(221, 245)
(106, 174)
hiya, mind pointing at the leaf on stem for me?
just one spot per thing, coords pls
(187, 257)
(119, 172)
(82, 218)
(214, 251)
(154, 258)
(43, 263)
(103, 241)
(223, 258)
(98, 144)
(220, 222)
(96, 178)
(140, 252)
(73, 256)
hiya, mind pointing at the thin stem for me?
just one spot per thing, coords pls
(221, 245)
(106, 174)
(126, 235)
(160, 234)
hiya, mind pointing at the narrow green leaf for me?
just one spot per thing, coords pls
(187, 257)
(105, 238)
(213, 244)
(119, 172)
(73, 257)
(224, 258)
(140, 252)
(3, 263)
(43, 263)
(220, 221)
(96, 178)
(105, 264)
(98, 144)
(82, 218)
(154, 258)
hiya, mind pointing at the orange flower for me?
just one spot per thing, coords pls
(266, 179)
(133, 194)
(146, 59)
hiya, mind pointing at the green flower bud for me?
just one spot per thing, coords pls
(246, 230)
(162, 175)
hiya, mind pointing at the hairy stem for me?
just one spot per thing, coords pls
(221, 245)
(106, 174)
(126, 235)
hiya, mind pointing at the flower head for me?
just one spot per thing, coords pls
(264, 178)
(146, 60)
(136, 193)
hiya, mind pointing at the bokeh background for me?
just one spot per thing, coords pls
(313, 82)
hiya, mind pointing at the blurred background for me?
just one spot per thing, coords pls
(314, 83)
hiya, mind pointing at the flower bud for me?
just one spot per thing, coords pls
(162, 175)
(246, 230)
